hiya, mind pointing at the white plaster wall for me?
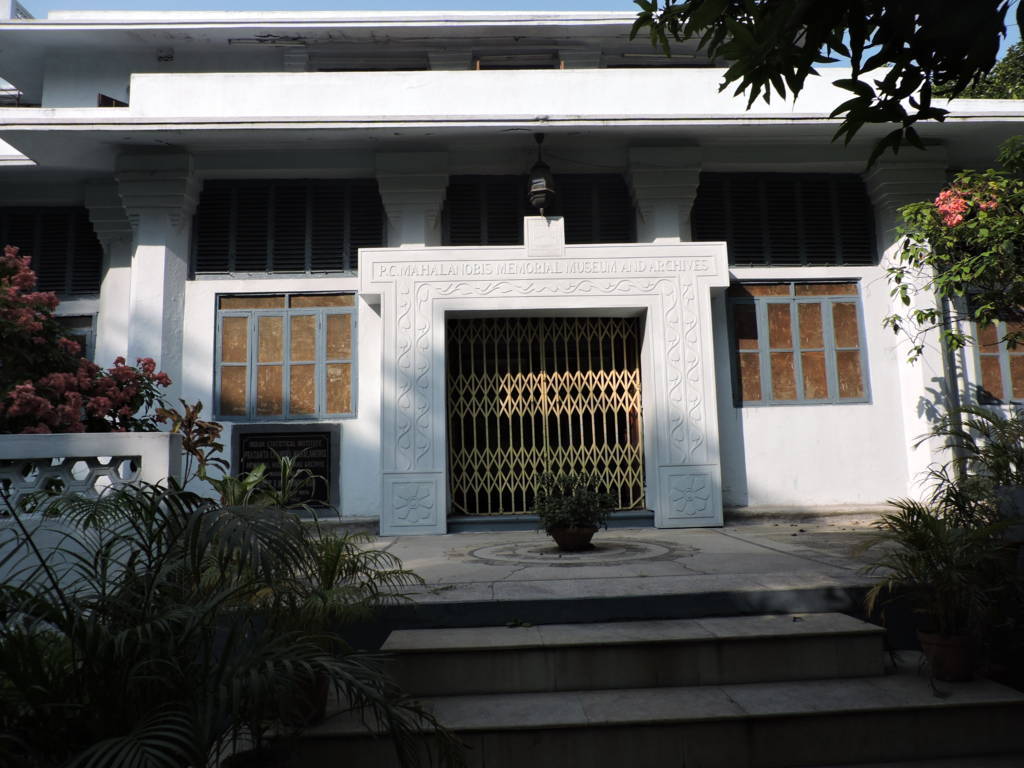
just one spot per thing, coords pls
(359, 464)
(74, 78)
(393, 95)
(807, 455)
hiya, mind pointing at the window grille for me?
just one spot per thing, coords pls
(286, 226)
(796, 343)
(787, 220)
(285, 356)
(66, 255)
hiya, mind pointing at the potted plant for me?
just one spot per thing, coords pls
(951, 571)
(571, 509)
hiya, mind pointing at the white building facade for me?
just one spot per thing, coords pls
(318, 224)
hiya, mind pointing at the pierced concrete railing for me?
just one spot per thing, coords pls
(85, 463)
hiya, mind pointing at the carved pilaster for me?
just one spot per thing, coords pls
(107, 214)
(412, 187)
(663, 182)
(895, 181)
(157, 181)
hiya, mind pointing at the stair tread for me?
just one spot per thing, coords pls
(626, 632)
(567, 709)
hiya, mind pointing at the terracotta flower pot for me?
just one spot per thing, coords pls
(573, 539)
(951, 658)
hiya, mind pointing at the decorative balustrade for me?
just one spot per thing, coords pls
(85, 463)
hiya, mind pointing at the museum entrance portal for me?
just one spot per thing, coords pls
(529, 395)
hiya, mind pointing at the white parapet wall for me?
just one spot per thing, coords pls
(86, 463)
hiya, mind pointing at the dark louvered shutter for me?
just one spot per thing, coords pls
(365, 220)
(786, 219)
(327, 239)
(66, 256)
(286, 226)
(212, 228)
(251, 227)
(489, 210)
(485, 210)
(597, 208)
(290, 208)
(86, 255)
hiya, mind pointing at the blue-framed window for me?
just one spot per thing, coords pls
(797, 343)
(1000, 369)
(285, 356)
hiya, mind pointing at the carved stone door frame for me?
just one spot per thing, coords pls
(670, 283)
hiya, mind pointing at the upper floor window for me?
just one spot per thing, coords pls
(66, 256)
(489, 210)
(797, 343)
(285, 356)
(787, 220)
(286, 226)
(1000, 368)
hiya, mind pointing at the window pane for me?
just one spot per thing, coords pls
(302, 392)
(844, 321)
(232, 389)
(814, 376)
(991, 376)
(271, 339)
(339, 336)
(339, 388)
(826, 289)
(325, 300)
(783, 376)
(303, 341)
(1017, 376)
(234, 340)
(809, 316)
(750, 376)
(988, 336)
(269, 392)
(851, 382)
(251, 302)
(780, 327)
(759, 289)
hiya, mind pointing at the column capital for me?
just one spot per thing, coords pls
(412, 187)
(158, 180)
(106, 212)
(663, 183)
(913, 176)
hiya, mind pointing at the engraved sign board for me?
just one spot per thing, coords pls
(312, 451)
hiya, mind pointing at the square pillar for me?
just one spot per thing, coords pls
(159, 193)
(113, 230)
(893, 182)
(413, 187)
(663, 182)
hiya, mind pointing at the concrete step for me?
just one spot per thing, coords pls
(636, 654)
(896, 717)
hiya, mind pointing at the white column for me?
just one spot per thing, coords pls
(663, 182)
(892, 183)
(159, 193)
(106, 212)
(412, 187)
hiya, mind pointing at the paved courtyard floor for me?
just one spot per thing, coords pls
(776, 554)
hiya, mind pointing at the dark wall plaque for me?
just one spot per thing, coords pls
(312, 450)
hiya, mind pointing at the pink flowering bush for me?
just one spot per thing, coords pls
(45, 385)
(964, 251)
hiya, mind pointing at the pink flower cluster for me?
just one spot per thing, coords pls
(87, 400)
(19, 305)
(953, 204)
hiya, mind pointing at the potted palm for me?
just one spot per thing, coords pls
(950, 570)
(571, 509)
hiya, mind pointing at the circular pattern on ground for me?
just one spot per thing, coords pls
(606, 552)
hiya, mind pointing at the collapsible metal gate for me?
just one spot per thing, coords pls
(528, 395)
